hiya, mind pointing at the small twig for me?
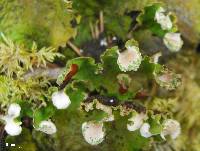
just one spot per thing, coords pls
(98, 28)
(97, 33)
(76, 49)
(153, 90)
(129, 35)
(141, 95)
(92, 30)
(101, 21)
(109, 40)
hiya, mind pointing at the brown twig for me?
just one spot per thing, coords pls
(129, 35)
(98, 28)
(92, 30)
(154, 89)
(75, 48)
(101, 21)
(97, 32)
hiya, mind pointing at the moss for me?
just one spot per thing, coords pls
(45, 22)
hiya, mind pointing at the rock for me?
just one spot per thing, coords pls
(188, 15)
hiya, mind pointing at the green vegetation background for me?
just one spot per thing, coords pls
(48, 23)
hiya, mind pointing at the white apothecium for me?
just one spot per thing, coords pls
(47, 127)
(130, 59)
(14, 110)
(162, 19)
(93, 132)
(171, 127)
(103, 42)
(173, 41)
(60, 100)
(136, 121)
(12, 127)
(144, 130)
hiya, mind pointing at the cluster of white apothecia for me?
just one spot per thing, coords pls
(94, 131)
(13, 127)
(61, 101)
(171, 40)
(170, 127)
(137, 122)
(130, 59)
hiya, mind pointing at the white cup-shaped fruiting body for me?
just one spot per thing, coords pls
(14, 110)
(144, 130)
(47, 127)
(173, 41)
(60, 100)
(130, 59)
(13, 128)
(93, 132)
(136, 121)
(103, 42)
(168, 80)
(171, 127)
(162, 19)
